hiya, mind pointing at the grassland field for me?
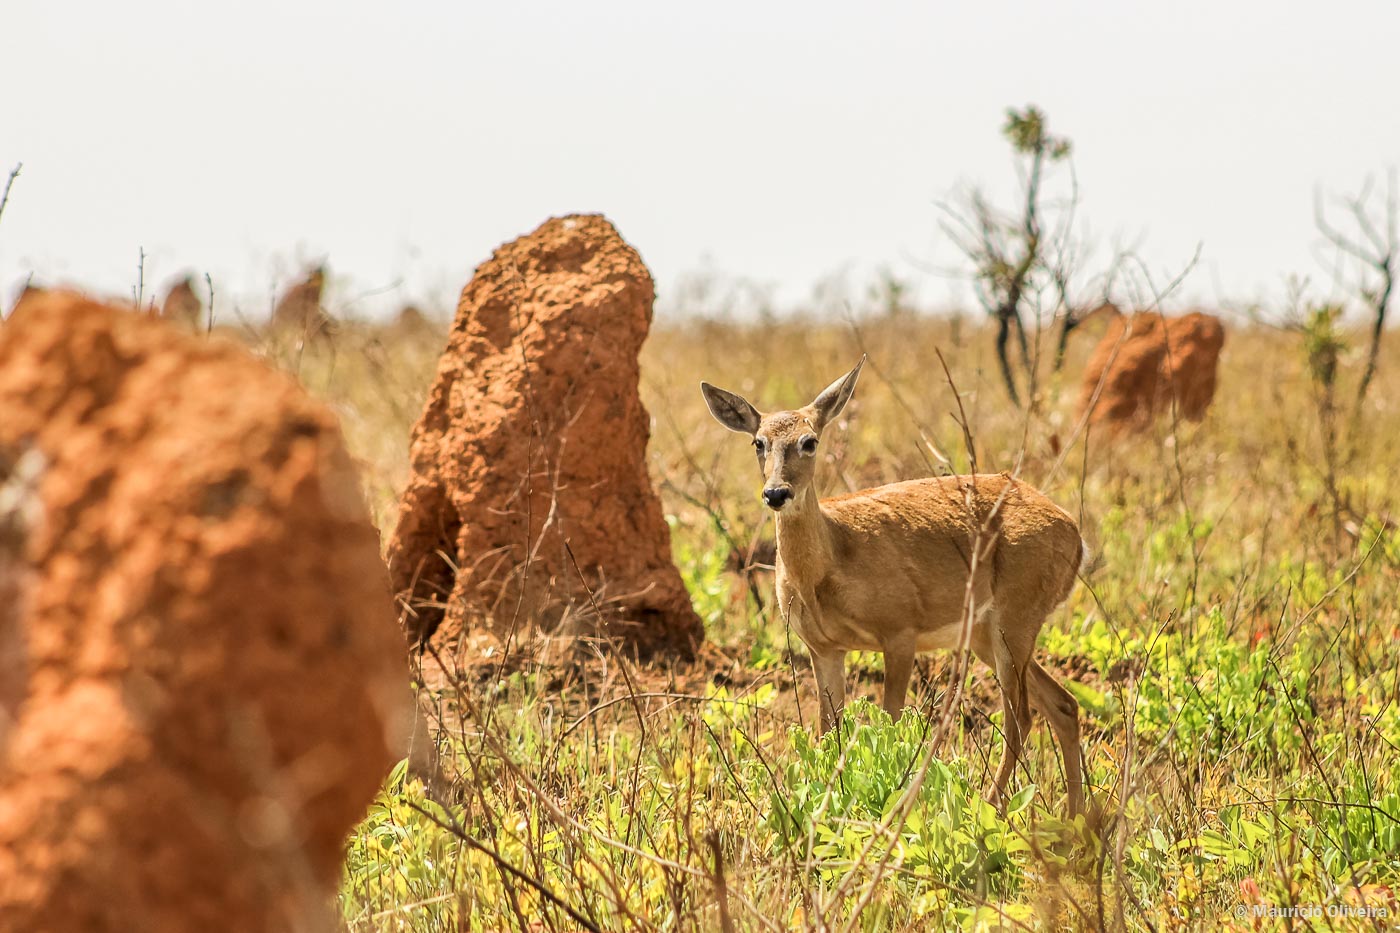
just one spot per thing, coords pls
(1232, 648)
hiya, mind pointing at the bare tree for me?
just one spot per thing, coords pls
(1008, 252)
(1378, 253)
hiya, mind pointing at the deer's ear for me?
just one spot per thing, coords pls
(834, 397)
(732, 411)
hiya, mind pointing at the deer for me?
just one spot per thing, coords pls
(953, 562)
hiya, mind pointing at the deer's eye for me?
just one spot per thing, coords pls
(809, 445)
(759, 445)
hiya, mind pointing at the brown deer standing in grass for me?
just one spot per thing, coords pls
(887, 569)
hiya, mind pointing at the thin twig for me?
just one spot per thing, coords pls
(5, 198)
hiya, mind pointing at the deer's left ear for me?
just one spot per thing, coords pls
(834, 397)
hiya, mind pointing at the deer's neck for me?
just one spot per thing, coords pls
(804, 538)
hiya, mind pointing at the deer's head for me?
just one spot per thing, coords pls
(786, 442)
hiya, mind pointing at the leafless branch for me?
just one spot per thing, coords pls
(1378, 252)
(5, 198)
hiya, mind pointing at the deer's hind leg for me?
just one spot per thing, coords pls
(1008, 653)
(1060, 709)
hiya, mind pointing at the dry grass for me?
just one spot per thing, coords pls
(1232, 649)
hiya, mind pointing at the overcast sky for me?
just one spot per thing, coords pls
(779, 142)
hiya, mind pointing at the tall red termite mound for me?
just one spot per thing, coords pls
(205, 635)
(1145, 359)
(529, 501)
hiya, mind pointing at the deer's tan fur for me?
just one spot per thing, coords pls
(888, 569)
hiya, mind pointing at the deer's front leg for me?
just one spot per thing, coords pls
(830, 669)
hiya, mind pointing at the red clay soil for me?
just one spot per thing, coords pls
(207, 636)
(1145, 358)
(533, 443)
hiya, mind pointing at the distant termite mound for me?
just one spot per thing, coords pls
(529, 504)
(1144, 360)
(299, 311)
(414, 325)
(411, 320)
(204, 639)
(181, 305)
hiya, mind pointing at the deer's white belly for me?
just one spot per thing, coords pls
(825, 629)
(946, 638)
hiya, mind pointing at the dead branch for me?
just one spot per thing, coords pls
(1378, 253)
(5, 198)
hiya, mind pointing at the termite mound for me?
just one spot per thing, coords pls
(210, 667)
(1145, 361)
(529, 506)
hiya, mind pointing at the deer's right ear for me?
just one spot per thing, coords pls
(732, 411)
(835, 396)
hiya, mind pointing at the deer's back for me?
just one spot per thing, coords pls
(909, 546)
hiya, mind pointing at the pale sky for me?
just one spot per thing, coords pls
(778, 142)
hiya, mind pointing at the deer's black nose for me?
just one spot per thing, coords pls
(777, 497)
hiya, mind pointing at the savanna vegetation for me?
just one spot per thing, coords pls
(1231, 646)
(1232, 649)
